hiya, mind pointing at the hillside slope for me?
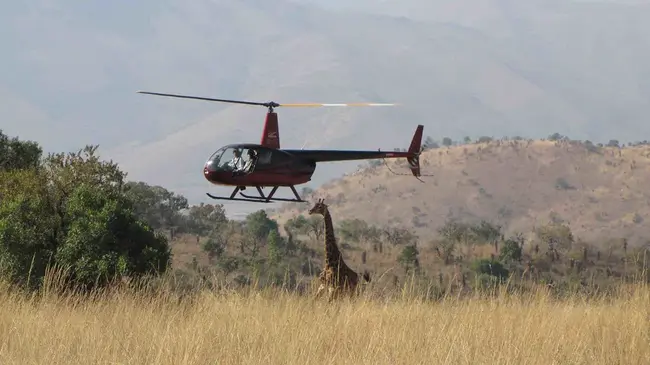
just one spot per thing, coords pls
(599, 192)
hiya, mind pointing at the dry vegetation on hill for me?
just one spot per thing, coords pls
(601, 193)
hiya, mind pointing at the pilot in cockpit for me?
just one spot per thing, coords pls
(236, 163)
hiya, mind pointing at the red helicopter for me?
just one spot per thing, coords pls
(266, 165)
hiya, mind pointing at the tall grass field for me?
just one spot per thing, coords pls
(228, 326)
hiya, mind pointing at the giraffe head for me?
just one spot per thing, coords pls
(319, 208)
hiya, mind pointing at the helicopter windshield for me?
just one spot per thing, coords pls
(231, 159)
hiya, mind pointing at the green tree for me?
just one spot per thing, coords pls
(445, 248)
(490, 267)
(203, 219)
(16, 154)
(306, 191)
(158, 206)
(591, 147)
(71, 212)
(408, 258)
(215, 246)
(298, 225)
(315, 227)
(452, 235)
(456, 231)
(259, 225)
(105, 239)
(27, 228)
(356, 230)
(429, 143)
(229, 264)
(67, 171)
(486, 232)
(447, 142)
(399, 236)
(556, 236)
(276, 247)
(511, 249)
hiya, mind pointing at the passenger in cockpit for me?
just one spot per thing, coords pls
(252, 159)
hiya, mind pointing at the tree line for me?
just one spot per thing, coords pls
(430, 143)
(551, 254)
(76, 212)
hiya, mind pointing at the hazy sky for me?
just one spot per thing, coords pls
(70, 71)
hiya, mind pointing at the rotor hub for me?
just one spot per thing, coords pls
(271, 105)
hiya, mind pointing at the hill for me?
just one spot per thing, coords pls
(451, 75)
(599, 192)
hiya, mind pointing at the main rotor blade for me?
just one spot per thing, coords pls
(335, 104)
(208, 99)
(268, 104)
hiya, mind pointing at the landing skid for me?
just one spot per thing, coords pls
(261, 198)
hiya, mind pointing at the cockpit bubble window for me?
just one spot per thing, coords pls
(216, 156)
(233, 159)
(226, 159)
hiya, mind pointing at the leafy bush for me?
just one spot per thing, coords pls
(510, 250)
(71, 211)
(490, 267)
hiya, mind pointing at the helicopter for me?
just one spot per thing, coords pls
(270, 166)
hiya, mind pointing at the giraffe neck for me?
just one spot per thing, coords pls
(332, 253)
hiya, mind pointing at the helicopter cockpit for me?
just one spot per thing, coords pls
(233, 159)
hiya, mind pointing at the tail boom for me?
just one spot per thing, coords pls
(412, 155)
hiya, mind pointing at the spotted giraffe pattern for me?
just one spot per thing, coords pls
(336, 276)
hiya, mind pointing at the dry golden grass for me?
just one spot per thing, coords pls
(275, 327)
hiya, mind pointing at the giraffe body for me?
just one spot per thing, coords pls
(336, 276)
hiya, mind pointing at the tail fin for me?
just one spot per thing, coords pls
(414, 151)
(271, 132)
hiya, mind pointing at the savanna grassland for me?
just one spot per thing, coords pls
(159, 281)
(272, 326)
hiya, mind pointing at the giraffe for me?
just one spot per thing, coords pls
(336, 275)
